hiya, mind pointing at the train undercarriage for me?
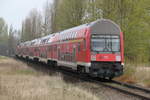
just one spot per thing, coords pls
(106, 69)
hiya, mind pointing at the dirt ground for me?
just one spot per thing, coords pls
(20, 82)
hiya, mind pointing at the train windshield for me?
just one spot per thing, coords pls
(105, 44)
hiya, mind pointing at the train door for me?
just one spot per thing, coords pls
(59, 54)
(46, 51)
(74, 54)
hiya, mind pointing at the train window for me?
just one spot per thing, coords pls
(35, 49)
(52, 48)
(106, 44)
(84, 44)
(55, 48)
(59, 54)
(49, 48)
(26, 50)
(67, 47)
(79, 46)
(74, 54)
(115, 45)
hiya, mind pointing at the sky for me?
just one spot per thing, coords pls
(14, 11)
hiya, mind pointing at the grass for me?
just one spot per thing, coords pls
(19, 82)
(147, 82)
(128, 74)
(2, 57)
(136, 74)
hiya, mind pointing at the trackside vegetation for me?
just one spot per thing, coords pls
(19, 81)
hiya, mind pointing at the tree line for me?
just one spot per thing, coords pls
(8, 38)
(131, 15)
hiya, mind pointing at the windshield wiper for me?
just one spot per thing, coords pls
(106, 49)
(113, 52)
(95, 51)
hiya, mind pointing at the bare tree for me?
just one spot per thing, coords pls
(32, 26)
(54, 15)
(47, 19)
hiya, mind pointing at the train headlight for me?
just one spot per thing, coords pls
(118, 58)
(122, 64)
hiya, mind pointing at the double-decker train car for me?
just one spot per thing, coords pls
(95, 48)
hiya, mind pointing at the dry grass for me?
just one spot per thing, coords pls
(2, 57)
(136, 75)
(143, 76)
(18, 82)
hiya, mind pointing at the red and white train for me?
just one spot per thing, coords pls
(95, 48)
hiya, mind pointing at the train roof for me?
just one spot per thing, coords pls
(100, 26)
(104, 26)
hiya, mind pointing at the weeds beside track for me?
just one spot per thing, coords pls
(125, 88)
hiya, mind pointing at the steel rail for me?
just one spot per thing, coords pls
(132, 86)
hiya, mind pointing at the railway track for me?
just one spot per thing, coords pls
(137, 91)
(128, 89)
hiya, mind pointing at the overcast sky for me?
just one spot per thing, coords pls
(14, 11)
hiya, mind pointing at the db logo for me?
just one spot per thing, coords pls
(103, 57)
(93, 57)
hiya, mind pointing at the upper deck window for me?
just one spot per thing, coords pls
(105, 43)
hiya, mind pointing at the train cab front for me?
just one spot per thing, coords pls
(106, 54)
(106, 60)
